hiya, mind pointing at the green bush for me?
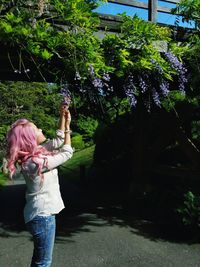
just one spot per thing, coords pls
(190, 211)
(86, 126)
(3, 131)
(3, 179)
(77, 142)
(195, 130)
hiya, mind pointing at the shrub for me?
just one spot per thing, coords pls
(3, 179)
(190, 211)
(87, 127)
(195, 130)
(77, 142)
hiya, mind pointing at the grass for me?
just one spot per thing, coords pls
(71, 169)
(3, 179)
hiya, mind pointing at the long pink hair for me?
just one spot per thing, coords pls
(22, 144)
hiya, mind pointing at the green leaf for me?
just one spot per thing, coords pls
(6, 27)
(46, 54)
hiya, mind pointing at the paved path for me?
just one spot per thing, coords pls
(99, 236)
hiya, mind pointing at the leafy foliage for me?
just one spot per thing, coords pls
(135, 47)
(190, 211)
(35, 101)
(59, 36)
(39, 102)
(77, 142)
(42, 35)
(174, 97)
(195, 125)
(189, 9)
(28, 99)
(87, 126)
(144, 61)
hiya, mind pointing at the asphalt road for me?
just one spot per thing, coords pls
(91, 235)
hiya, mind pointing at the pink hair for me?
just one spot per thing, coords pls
(22, 144)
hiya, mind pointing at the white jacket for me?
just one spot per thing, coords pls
(43, 196)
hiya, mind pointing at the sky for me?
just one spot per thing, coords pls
(114, 9)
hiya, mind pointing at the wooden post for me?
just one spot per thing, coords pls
(152, 11)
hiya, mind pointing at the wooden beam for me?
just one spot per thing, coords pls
(164, 9)
(138, 3)
(112, 23)
(132, 3)
(152, 11)
(150, 7)
(110, 17)
(171, 1)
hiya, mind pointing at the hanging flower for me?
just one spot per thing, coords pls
(65, 94)
(180, 68)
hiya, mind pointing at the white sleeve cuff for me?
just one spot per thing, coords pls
(60, 133)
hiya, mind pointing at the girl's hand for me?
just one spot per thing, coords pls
(67, 119)
(63, 109)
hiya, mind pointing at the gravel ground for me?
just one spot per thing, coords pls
(93, 238)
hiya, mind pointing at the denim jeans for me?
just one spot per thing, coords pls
(42, 228)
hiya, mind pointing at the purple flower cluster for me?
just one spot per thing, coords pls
(65, 94)
(96, 81)
(156, 97)
(164, 87)
(131, 96)
(142, 83)
(151, 87)
(130, 90)
(106, 77)
(99, 83)
(91, 70)
(179, 67)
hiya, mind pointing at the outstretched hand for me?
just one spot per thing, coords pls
(67, 119)
(63, 109)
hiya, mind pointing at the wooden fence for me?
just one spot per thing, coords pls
(152, 6)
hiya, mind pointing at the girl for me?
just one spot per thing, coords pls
(38, 164)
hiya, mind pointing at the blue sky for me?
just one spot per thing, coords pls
(110, 8)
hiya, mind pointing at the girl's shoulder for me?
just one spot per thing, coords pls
(30, 166)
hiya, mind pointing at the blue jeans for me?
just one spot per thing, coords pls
(42, 229)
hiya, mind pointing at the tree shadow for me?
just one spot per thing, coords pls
(12, 199)
(85, 209)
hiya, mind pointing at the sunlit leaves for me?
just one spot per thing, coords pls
(189, 10)
(63, 31)
(138, 59)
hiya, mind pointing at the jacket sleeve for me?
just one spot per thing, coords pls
(56, 142)
(64, 154)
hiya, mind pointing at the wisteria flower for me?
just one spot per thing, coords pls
(65, 93)
(180, 68)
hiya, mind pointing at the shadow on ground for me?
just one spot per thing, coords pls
(84, 208)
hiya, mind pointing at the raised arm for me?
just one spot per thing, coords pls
(64, 125)
(66, 151)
